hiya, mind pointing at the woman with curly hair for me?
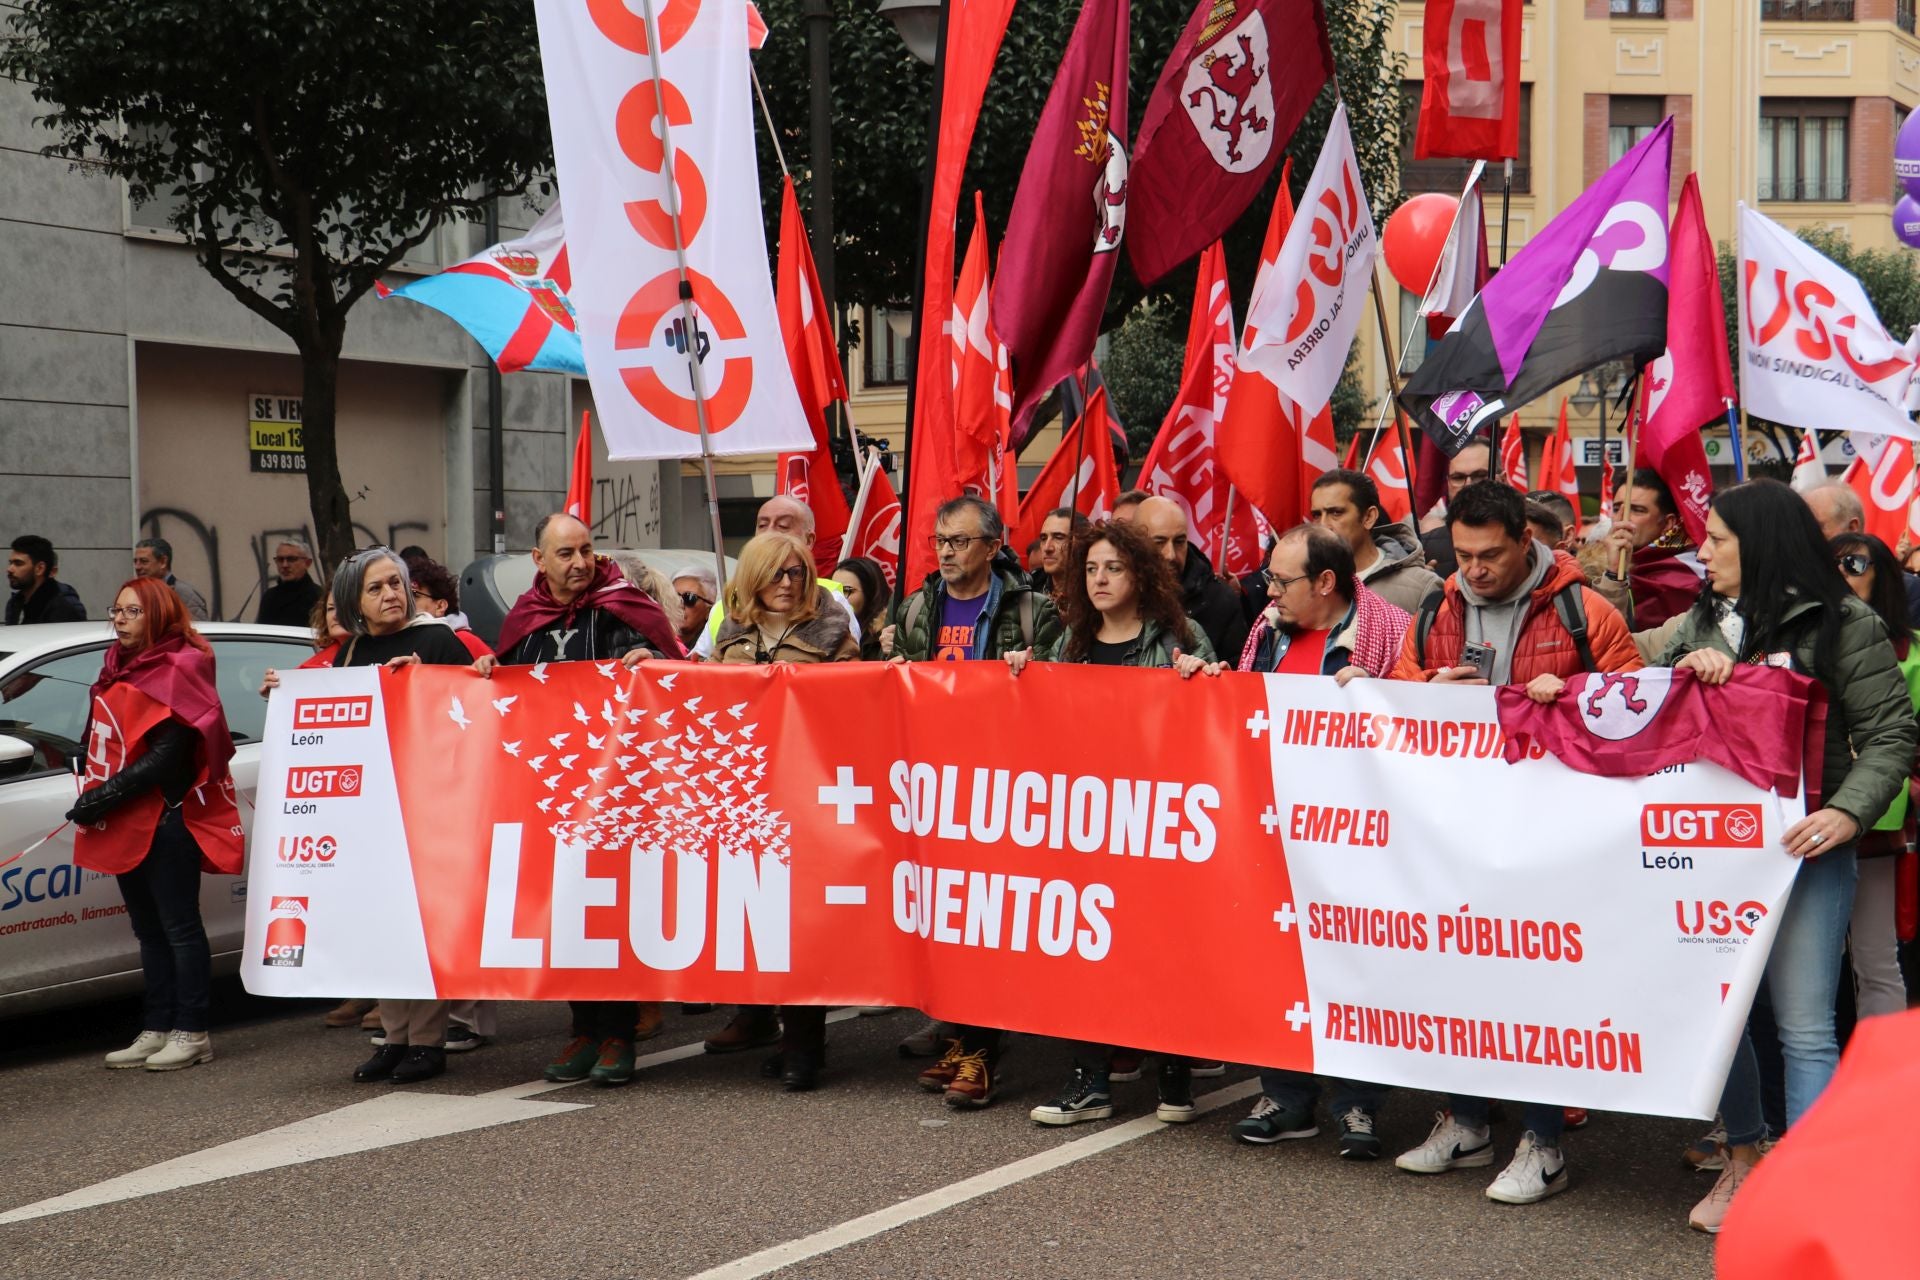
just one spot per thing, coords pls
(1120, 606)
(1120, 603)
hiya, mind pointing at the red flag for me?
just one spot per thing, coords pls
(815, 361)
(1056, 264)
(1470, 103)
(974, 31)
(1350, 460)
(1266, 446)
(1513, 457)
(874, 527)
(1882, 475)
(1182, 464)
(1231, 95)
(580, 483)
(1556, 467)
(1080, 474)
(1388, 467)
(1691, 383)
(1606, 494)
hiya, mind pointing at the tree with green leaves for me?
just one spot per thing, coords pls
(310, 143)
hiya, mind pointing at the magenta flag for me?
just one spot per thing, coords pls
(1691, 384)
(1063, 236)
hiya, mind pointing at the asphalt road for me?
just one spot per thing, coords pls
(700, 1166)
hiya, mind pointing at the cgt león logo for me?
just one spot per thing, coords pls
(286, 933)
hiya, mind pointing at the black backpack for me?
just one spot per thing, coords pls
(1568, 602)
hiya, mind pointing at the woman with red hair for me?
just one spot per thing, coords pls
(158, 806)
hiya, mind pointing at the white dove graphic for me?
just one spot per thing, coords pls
(504, 705)
(737, 710)
(511, 748)
(666, 681)
(458, 714)
(539, 672)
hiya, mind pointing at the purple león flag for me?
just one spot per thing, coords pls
(1063, 236)
(1591, 287)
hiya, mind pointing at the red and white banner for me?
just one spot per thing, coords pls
(610, 147)
(1882, 476)
(1470, 99)
(1300, 330)
(716, 834)
(1812, 352)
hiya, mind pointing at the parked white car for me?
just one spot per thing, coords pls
(64, 936)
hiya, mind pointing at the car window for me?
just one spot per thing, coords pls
(240, 663)
(47, 704)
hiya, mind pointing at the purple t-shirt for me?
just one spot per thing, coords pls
(953, 641)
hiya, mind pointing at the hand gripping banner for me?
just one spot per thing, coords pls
(1268, 870)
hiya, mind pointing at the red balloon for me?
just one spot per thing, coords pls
(1415, 235)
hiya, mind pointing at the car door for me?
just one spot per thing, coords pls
(58, 923)
(240, 662)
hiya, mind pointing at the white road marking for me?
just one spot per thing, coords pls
(387, 1121)
(770, 1260)
(390, 1120)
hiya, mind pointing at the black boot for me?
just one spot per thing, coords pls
(380, 1066)
(423, 1062)
(801, 1073)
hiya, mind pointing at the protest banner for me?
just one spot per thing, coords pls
(1352, 881)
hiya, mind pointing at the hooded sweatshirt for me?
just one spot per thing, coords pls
(1498, 622)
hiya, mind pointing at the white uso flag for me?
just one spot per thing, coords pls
(609, 147)
(1301, 330)
(1812, 352)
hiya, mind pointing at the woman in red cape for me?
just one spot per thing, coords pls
(161, 806)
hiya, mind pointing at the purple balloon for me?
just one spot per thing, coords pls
(1906, 155)
(1906, 221)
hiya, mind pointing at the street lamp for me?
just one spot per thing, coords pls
(918, 22)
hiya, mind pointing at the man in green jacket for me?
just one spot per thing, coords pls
(966, 612)
(969, 610)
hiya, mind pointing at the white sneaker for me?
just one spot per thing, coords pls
(137, 1053)
(1535, 1173)
(1451, 1145)
(184, 1049)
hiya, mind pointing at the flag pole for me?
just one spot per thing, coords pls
(1393, 376)
(1226, 533)
(1506, 204)
(687, 312)
(1636, 424)
(772, 135)
(862, 468)
(1737, 435)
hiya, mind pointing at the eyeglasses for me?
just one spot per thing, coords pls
(128, 611)
(1277, 585)
(958, 541)
(1470, 477)
(794, 573)
(692, 598)
(1853, 564)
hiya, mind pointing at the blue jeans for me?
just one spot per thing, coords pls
(1802, 975)
(1299, 1091)
(163, 905)
(1546, 1120)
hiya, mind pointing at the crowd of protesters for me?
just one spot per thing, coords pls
(1500, 591)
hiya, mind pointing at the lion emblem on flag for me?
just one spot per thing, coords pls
(1228, 96)
(1617, 706)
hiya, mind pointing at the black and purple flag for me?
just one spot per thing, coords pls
(1590, 287)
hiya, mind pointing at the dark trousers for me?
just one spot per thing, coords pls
(163, 905)
(605, 1019)
(803, 1030)
(975, 1039)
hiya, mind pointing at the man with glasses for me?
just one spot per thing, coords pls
(1471, 465)
(1320, 620)
(976, 607)
(289, 601)
(697, 590)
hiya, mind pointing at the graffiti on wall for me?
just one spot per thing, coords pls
(626, 508)
(233, 601)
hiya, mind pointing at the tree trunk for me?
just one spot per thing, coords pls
(326, 494)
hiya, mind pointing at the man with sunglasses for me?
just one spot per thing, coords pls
(289, 601)
(697, 590)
